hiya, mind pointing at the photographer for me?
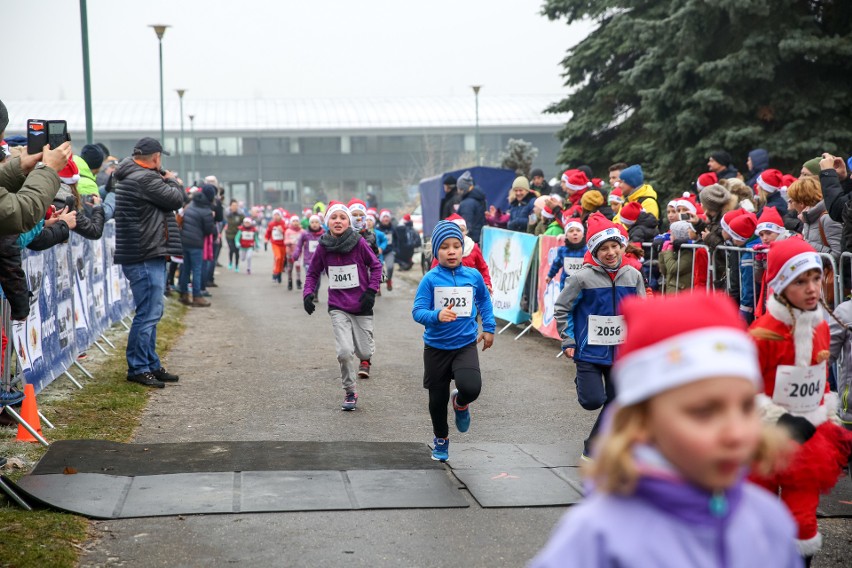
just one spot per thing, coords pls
(145, 197)
(28, 184)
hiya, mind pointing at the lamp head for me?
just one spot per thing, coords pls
(159, 29)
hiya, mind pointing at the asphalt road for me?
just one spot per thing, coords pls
(254, 366)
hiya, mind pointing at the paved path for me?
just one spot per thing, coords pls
(256, 367)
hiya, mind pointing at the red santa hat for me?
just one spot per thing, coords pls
(567, 174)
(547, 212)
(770, 220)
(787, 260)
(602, 230)
(306, 212)
(315, 217)
(335, 206)
(728, 217)
(741, 228)
(597, 183)
(385, 214)
(458, 220)
(771, 181)
(711, 342)
(615, 196)
(294, 219)
(574, 224)
(706, 179)
(576, 180)
(279, 212)
(373, 211)
(371, 214)
(70, 173)
(357, 205)
(789, 180)
(630, 213)
(406, 217)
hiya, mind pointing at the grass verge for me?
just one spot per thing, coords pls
(108, 408)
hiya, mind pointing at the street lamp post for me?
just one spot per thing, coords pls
(160, 30)
(180, 93)
(476, 140)
(192, 135)
(87, 77)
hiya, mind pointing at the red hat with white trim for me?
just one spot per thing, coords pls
(615, 196)
(576, 180)
(771, 181)
(770, 220)
(711, 342)
(357, 205)
(741, 227)
(70, 173)
(547, 212)
(334, 206)
(706, 179)
(728, 217)
(385, 214)
(630, 213)
(458, 220)
(787, 260)
(602, 230)
(574, 224)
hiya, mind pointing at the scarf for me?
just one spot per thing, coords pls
(342, 244)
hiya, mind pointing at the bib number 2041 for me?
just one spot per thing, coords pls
(341, 278)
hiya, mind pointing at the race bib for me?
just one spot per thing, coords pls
(571, 265)
(277, 234)
(312, 246)
(457, 298)
(799, 389)
(342, 277)
(607, 330)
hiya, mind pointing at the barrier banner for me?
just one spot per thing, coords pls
(119, 301)
(27, 334)
(80, 283)
(508, 255)
(542, 318)
(97, 287)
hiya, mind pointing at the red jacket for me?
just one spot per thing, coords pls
(277, 237)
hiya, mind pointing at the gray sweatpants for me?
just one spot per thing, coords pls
(353, 337)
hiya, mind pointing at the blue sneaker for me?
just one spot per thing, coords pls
(10, 398)
(441, 449)
(349, 401)
(462, 414)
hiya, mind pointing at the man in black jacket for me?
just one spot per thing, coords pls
(450, 201)
(144, 197)
(472, 206)
(198, 224)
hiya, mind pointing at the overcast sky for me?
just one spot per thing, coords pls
(289, 48)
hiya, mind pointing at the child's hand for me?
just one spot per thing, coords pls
(547, 280)
(569, 352)
(487, 340)
(447, 315)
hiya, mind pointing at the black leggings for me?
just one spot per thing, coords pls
(233, 252)
(469, 383)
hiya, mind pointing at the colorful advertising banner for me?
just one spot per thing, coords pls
(542, 318)
(508, 255)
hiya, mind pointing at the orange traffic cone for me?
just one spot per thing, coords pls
(29, 412)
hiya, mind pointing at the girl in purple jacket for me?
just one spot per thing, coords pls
(354, 275)
(668, 477)
(307, 244)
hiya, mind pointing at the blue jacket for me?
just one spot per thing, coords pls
(519, 213)
(747, 280)
(591, 292)
(463, 331)
(382, 244)
(559, 262)
(472, 208)
(777, 200)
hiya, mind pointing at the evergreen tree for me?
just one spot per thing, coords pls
(665, 82)
(518, 156)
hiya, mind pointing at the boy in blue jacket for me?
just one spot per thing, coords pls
(448, 301)
(588, 316)
(569, 257)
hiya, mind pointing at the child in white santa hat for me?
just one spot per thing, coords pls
(793, 347)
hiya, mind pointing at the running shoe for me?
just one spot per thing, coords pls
(162, 375)
(146, 379)
(364, 370)
(462, 413)
(441, 449)
(349, 401)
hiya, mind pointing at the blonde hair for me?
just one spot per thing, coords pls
(805, 190)
(740, 191)
(614, 468)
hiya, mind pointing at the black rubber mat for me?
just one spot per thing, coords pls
(98, 456)
(838, 503)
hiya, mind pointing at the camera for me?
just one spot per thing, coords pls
(42, 132)
(684, 216)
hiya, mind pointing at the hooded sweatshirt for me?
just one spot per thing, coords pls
(472, 258)
(569, 259)
(465, 329)
(307, 244)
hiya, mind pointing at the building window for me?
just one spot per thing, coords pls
(280, 192)
(230, 146)
(295, 147)
(345, 145)
(469, 143)
(207, 146)
(320, 145)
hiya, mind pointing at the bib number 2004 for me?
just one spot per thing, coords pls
(799, 389)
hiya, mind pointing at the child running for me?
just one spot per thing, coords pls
(668, 477)
(291, 238)
(569, 257)
(246, 240)
(308, 243)
(448, 301)
(587, 316)
(354, 275)
(472, 255)
(793, 346)
(275, 231)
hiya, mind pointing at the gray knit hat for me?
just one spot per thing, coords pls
(680, 230)
(714, 197)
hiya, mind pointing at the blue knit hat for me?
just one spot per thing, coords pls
(632, 176)
(444, 230)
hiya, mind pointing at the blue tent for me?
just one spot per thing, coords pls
(494, 182)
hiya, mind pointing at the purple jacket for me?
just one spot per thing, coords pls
(369, 275)
(304, 245)
(667, 523)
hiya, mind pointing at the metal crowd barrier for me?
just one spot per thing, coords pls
(695, 248)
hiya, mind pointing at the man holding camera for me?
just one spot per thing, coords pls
(145, 197)
(28, 183)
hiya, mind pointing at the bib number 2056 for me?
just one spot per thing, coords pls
(607, 330)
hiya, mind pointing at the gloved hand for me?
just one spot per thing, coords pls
(368, 300)
(800, 429)
(309, 303)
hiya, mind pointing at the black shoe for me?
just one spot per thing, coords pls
(146, 379)
(298, 284)
(212, 284)
(165, 376)
(290, 284)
